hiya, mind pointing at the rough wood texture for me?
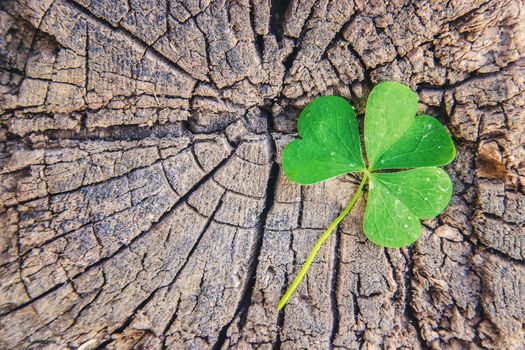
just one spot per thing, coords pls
(142, 202)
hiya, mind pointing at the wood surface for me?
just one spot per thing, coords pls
(142, 202)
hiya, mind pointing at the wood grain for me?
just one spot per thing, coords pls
(142, 204)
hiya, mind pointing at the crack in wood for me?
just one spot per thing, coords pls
(241, 310)
(334, 303)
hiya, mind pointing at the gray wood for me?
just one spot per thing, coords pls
(142, 201)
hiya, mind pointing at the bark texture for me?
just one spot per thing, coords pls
(142, 203)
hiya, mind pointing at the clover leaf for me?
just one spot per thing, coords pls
(330, 142)
(394, 138)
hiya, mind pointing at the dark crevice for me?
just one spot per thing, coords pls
(290, 59)
(169, 324)
(338, 37)
(335, 287)
(300, 219)
(269, 201)
(206, 48)
(280, 321)
(259, 45)
(103, 345)
(258, 38)
(221, 122)
(288, 62)
(21, 263)
(357, 311)
(278, 17)
(280, 317)
(83, 126)
(87, 59)
(118, 133)
(14, 138)
(242, 308)
(270, 122)
(368, 70)
(471, 76)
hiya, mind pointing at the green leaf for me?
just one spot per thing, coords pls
(397, 201)
(330, 142)
(394, 139)
(424, 143)
(390, 110)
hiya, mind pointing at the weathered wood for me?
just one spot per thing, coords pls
(142, 202)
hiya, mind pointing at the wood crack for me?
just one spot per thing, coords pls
(334, 303)
(241, 310)
(132, 36)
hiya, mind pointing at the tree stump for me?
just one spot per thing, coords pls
(142, 200)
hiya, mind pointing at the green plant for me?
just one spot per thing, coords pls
(394, 139)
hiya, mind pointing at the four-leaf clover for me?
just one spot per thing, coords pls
(402, 151)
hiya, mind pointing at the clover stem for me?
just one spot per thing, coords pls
(320, 242)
